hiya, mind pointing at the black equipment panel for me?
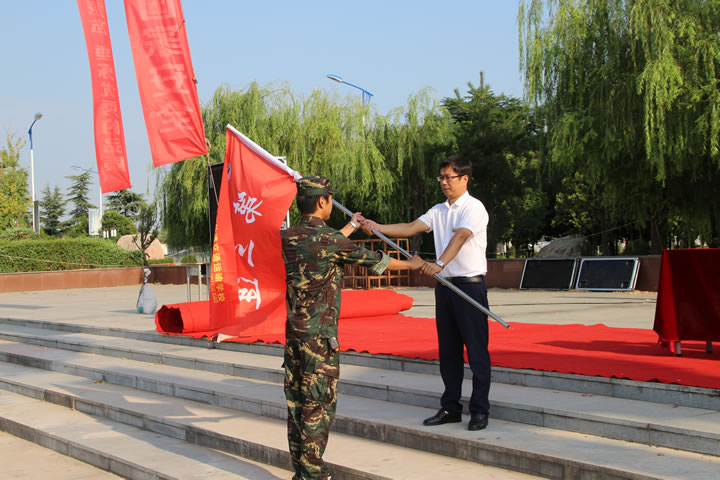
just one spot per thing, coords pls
(214, 173)
(613, 273)
(548, 273)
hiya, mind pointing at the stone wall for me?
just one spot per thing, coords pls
(505, 273)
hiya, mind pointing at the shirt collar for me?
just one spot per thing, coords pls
(459, 201)
(310, 220)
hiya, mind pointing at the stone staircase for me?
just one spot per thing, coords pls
(143, 405)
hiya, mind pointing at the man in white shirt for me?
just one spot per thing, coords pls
(459, 228)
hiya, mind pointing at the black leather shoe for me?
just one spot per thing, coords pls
(440, 418)
(478, 421)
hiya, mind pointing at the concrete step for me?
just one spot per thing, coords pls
(24, 460)
(154, 434)
(684, 428)
(528, 448)
(113, 446)
(681, 395)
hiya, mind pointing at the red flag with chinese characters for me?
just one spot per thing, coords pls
(247, 279)
(109, 136)
(165, 79)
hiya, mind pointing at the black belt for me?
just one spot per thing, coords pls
(461, 280)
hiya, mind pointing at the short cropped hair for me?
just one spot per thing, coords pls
(459, 163)
(308, 204)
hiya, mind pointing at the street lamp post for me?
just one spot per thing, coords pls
(35, 219)
(365, 94)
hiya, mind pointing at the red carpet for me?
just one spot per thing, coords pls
(193, 318)
(586, 350)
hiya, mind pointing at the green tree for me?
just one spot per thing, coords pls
(79, 229)
(126, 202)
(530, 214)
(147, 229)
(629, 89)
(14, 198)
(122, 225)
(52, 208)
(78, 197)
(500, 136)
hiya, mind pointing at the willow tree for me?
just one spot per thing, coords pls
(414, 140)
(630, 92)
(318, 135)
(182, 197)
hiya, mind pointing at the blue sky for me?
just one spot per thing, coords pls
(391, 48)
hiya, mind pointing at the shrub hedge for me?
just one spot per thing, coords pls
(21, 233)
(161, 261)
(64, 254)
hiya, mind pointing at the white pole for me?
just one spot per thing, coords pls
(35, 220)
(32, 181)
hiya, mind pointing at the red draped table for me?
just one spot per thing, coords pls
(688, 301)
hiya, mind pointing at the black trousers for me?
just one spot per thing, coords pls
(461, 324)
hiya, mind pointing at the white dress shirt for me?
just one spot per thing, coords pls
(444, 219)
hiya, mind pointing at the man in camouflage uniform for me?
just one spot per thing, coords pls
(314, 255)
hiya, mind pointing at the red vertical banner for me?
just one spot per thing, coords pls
(109, 136)
(247, 279)
(166, 80)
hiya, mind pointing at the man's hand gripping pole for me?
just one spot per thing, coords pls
(440, 279)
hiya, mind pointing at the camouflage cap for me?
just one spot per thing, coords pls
(309, 186)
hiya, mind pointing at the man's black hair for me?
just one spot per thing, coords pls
(308, 204)
(459, 163)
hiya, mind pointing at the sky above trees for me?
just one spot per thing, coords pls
(392, 49)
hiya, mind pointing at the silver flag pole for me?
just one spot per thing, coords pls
(437, 277)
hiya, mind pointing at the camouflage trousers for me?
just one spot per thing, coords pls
(312, 369)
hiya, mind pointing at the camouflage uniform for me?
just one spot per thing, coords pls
(314, 255)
